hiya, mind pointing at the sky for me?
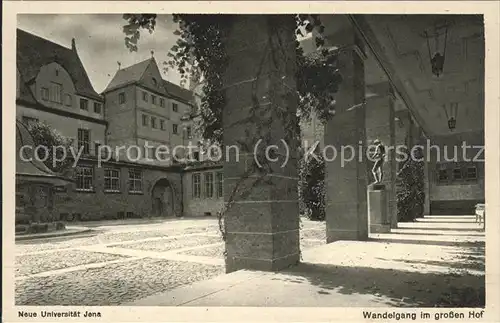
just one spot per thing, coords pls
(100, 41)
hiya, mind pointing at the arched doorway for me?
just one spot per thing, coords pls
(162, 198)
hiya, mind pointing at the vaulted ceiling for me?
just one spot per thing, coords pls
(399, 44)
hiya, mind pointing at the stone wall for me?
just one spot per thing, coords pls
(202, 205)
(98, 204)
(456, 195)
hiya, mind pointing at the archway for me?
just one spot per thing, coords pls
(162, 198)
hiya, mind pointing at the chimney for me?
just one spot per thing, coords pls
(73, 45)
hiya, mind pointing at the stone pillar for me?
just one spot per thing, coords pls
(262, 216)
(380, 124)
(346, 205)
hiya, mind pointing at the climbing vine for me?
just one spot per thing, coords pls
(199, 55)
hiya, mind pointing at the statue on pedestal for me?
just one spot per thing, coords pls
(378, 157)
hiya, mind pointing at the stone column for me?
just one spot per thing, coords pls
(262, 219)
(346, 202)
(380, 124)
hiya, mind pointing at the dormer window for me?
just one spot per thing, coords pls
(55, 92)
(155, 82)
(57, 72)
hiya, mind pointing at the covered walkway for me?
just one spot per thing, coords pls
(437, 261)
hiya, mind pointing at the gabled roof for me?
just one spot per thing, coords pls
(178, 92)
(33, 52)
(128, 75)
(134, 75)
(25, 94)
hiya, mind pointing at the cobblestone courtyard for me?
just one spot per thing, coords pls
(123, 263)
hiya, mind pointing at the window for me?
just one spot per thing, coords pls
(188, 132)
(196, 156)
(55, 92)
(196, 185)
(155, 82)
(443, 175)
(153, 99)
(162, 124)
(175, 128)
(471, 173)
(457, 174)
(162, 102)
(153, 122)
(68, 100)
(45, 94)
(209, 185)
(220, 184)
(144, 120)
(96, 148)
(111, 180)
(97, 107)
(145, 96)
(84, 140)
(175, 107)
(121, 98)
(135, 180)
(84, 104)
(84, 178)
(29, 120)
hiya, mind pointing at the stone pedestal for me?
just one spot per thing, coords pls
(380, 124)
(262, 219)
(346, 211)
(377, 209)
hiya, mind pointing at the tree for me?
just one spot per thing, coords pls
(46, 136)
(312, 190)
(199, 53)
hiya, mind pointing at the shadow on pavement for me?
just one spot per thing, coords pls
(396, 287)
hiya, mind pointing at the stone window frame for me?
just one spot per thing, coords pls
(84, 104)
(97, 107)
(219, 182)
(208, 186)
(112, 175)
(55, 92)
(135, 178)
(153, 122)
(189, 133)
(456, 173)
(175, 107)
(82, 141)
(145, 120)
(162, 124)
(81, 176)
(196, 189)
(153, 99)
(162, 102)
(175, 128)
(121, 98)
(144, 96)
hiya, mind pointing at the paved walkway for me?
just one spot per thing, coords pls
(123, 261)
(433, 262)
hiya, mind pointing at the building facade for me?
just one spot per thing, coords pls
(138, 109)
(147, 122)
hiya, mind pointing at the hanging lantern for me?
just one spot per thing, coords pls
(451, 111)
(436, 44)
